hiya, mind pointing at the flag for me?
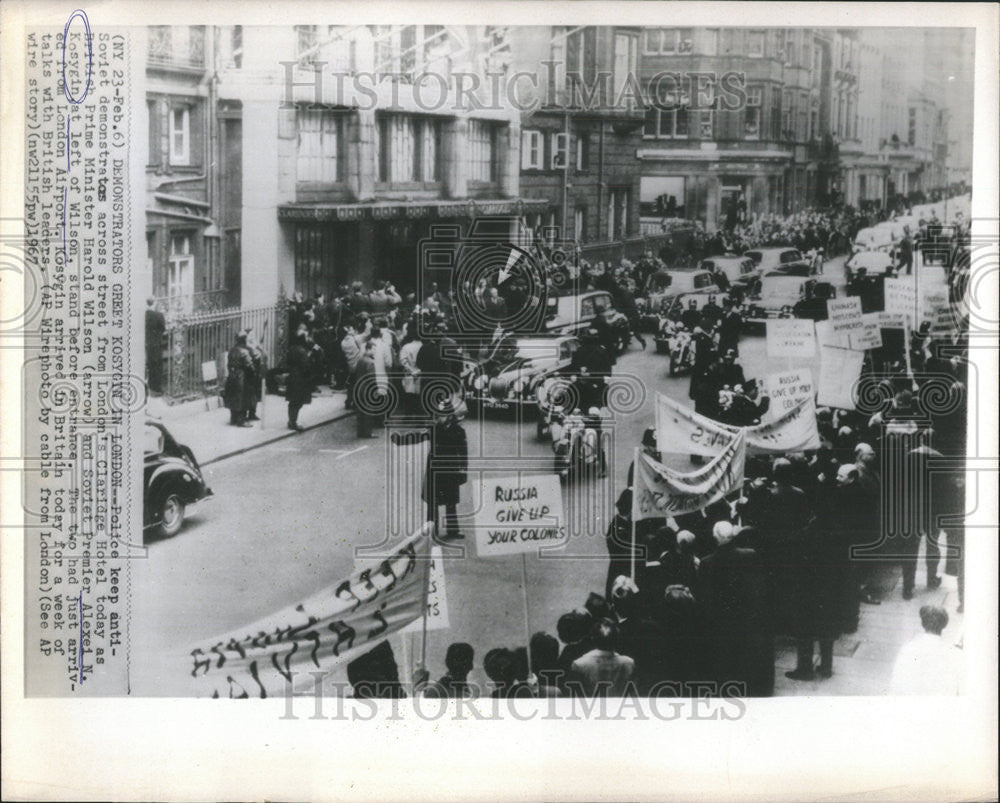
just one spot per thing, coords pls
(659, 491)
(331, 627)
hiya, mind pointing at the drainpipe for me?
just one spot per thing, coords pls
(565, 192)
(600, 181)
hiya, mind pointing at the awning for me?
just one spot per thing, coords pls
(410, 210)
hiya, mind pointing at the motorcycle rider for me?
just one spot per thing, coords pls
(691, 316)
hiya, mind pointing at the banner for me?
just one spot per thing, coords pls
(839, 371)
(681, 430)
(519, 514)
(790, 337)
(660, 491)
(332, 627)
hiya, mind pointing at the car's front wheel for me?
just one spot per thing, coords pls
(171, 515)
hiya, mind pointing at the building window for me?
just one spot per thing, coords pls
(307, 41)
(751, 118)
(911, 129)
(557, 68)
(626, 59)
(482, 165)
(711, 37)
(180, 267)
(180, 136)
(618, 213)
(787, 115)
(669, 41)
(320, 140)
(579, 223)
(560, 148)
(408, 149)
(814, 118)
(705, 125)
(154, 156)
(583, 151)
(672, 122)
(532, 150)
(775, 113)
(755, 45)
(236, 47)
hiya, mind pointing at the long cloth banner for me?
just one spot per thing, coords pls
(660, 491)
(681, 430)
(332, 627)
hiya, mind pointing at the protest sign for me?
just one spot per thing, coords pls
(331, 627)
(790, 337)
(869, 336)
(891, 320)
(839, 371)
(437, 598)
(787, 390)
(935, 309)
(680, 430)
(844, 314)
(825, 336)
(901, 298)
(519, 514)
(660, 491)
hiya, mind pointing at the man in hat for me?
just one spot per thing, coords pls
(238, 392)
(447, 467)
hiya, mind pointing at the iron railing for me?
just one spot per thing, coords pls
(203, 337)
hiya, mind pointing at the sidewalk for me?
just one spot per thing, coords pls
(863, 661)
(211, 438)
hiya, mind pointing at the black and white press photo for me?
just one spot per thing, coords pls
(500, 366)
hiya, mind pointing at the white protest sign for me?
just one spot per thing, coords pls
(901, 297)
(844, 314)
(787, 390)
(790, 337)
(869, 336)
(935, 309)
(839, 371)
(825, 336)
(437, 599)
(891, 320)
(519, 514)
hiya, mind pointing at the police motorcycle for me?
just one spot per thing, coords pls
(571, 412)
(676, 340)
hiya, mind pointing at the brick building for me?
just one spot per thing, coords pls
(579, 141)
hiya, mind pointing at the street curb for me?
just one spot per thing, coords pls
(278, 437)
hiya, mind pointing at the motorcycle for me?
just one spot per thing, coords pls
(676, 341)
(577, 444)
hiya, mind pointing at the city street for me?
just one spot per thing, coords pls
(287, 518)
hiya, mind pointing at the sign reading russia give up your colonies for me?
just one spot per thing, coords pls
(519, 514)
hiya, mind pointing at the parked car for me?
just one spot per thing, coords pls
(512, 381)
(740, 270)
(789, 261)
(571, 315)
(172, 481)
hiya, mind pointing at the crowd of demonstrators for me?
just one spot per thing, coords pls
(804, 547)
